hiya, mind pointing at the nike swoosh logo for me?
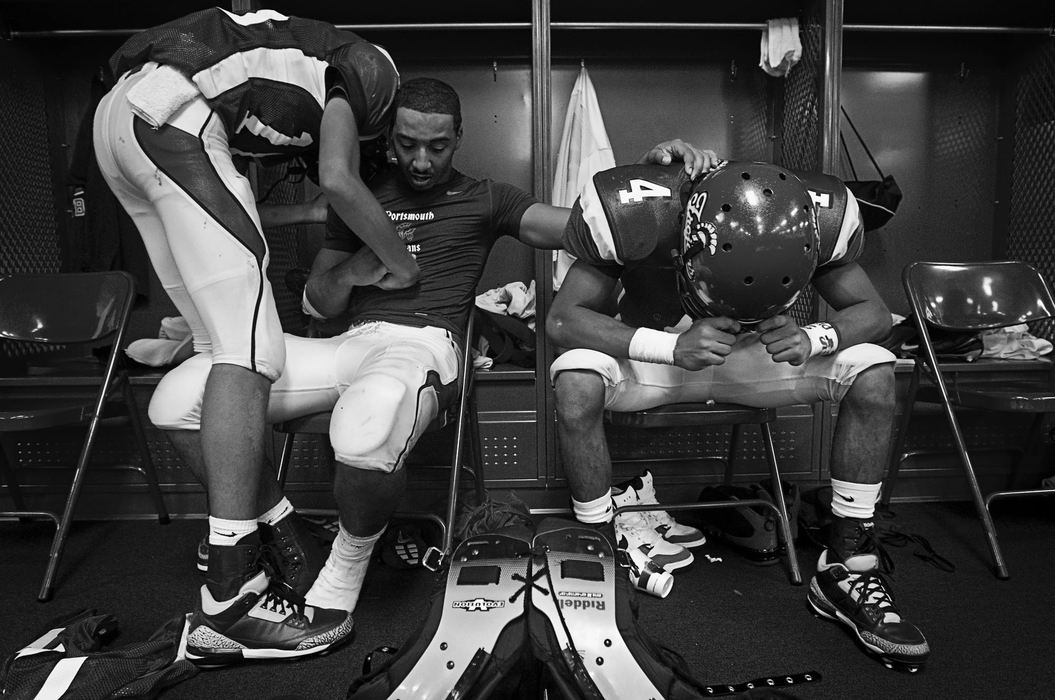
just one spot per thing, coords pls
(227, 534)
(848, 499)
(453, 193)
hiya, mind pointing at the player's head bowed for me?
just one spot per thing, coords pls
(749, 242)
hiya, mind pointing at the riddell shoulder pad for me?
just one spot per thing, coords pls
(474, 634)
(583, 624)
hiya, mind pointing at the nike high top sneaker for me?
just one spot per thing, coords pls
(850, 589)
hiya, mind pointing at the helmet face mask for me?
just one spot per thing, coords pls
(749, 243)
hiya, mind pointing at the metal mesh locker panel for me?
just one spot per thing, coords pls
(279, 186)
(800, 126)
(28, 240)
(1031, 220)
(749, 129)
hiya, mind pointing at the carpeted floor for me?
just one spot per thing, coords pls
(731, 620)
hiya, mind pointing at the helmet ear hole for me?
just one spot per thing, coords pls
(726, 208)
(785, 281)
(727, 246)
(745, 175)
(749, 280)
(767, 192)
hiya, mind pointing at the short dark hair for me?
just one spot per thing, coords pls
(430, 96)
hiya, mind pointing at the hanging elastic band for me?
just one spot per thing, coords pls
(863, 144)
(846, 154)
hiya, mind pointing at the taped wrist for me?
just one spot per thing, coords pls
(824, 339)
(650, 345)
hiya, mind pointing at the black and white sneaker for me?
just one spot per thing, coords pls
(633, 530)
(261, 622)
(850, 589)
(644, 489)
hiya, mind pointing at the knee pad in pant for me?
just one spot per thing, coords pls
(375, 422)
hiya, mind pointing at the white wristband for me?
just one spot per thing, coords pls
(824, 339)
(650, 345)
(306, 307)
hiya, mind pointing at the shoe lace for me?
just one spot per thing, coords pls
(897, 538)
(282, 599)
(491, 515)
(870, 588)
(636, 527)
(281, 552)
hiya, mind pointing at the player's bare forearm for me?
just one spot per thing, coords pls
(860, 314)
(580, 327)
(864, 322)
(361, 212)
(352, 200)
(334, 275)
(310, 212)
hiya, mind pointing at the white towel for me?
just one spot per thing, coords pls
(781, 47)
(513, 299)
(160, 94)
(1014, 343)
(584, 151)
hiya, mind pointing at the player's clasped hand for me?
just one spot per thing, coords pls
(707, 342)
(784, 340)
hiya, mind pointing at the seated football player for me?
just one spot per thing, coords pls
(709, 268)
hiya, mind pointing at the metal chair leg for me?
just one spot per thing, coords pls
(7, 471)
(62, 531)
(897, 454)
(146, 462)
(976, 494)
(785, 523)
(284, 459)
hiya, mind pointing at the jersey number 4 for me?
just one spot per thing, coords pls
(640, 189)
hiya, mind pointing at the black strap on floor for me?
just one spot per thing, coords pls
(764, 682)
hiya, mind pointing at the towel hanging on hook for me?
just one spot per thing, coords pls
(781, 46)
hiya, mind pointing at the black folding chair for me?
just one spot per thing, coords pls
(975, 297)
(467, 454)
(58, 320)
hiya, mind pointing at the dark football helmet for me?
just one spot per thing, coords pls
(749, 242)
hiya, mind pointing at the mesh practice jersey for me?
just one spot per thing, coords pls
(627, 221)
(267, 75)
(450, 229)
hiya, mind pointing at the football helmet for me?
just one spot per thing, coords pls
(749, 242)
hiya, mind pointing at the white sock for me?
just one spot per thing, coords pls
(599, 510)
(226, 533)
(338, 584)
(277, 512)
(850, 500)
